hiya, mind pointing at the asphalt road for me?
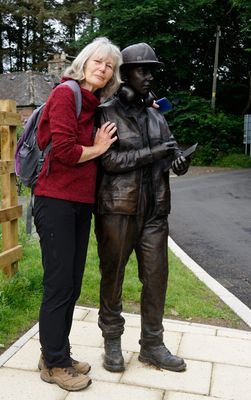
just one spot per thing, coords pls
(211, 221)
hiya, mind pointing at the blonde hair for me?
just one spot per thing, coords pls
(105, 48)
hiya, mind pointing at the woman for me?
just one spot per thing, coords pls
(64, 197)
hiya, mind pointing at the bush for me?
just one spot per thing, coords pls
(20, 130)
(218, 134)
(235, 160)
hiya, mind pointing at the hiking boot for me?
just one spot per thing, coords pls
(66, 378)
(161, 357)
(80, 367)
(113, 360)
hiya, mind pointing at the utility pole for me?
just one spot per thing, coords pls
(216, 56)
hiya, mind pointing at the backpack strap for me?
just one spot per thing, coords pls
(29, 215)
(77, 93)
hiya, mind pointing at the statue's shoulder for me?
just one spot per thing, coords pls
(109, 103)
(155, 113)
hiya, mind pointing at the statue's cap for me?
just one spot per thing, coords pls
(140, 53)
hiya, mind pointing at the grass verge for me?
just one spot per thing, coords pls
(187, 299)
(234, 160)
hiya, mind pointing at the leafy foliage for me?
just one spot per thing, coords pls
(183, 36)
(244, 7)
(192, 120)
(182, 33)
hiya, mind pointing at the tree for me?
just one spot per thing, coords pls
(74, 14)
(6, 33)
(30, 31)
(27, 33)
(183, 36)
(244, 8)
(182, 32)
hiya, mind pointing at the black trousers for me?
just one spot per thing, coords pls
(63, 228)
(118, 236)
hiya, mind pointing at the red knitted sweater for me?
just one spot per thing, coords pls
(65, 178)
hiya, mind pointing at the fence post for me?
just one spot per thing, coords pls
(10, 211)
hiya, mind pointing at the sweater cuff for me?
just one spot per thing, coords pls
(77, 152)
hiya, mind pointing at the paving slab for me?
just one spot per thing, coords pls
(234, 333)
(92, 315)
(131, 336)
(195, 379)
(180, 326)
(218, 364)
(80, 313)
(112, 391)
(86, 333)
(186, 396)
(27, 357)
(216, 349)
(231, 382)
(23, 385)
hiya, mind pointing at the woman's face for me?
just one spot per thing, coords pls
(98, 71)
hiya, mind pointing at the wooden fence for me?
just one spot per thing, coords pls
(10, 211)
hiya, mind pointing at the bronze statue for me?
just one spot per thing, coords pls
(133, 203)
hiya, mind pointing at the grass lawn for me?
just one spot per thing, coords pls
(187, 299)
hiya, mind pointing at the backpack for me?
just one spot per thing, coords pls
(29, 158)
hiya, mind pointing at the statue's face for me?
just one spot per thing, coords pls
(140, 79)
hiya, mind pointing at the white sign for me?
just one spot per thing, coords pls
(247, 129)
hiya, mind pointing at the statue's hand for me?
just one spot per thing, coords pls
(180, 165)
(163, 150)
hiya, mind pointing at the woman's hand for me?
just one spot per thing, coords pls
(155, 105)
(103, 140)
(104, 136)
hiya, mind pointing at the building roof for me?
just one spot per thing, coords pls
(27, 88)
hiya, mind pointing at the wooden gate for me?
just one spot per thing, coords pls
(10, 211)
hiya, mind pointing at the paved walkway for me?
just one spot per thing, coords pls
(218, 359)
(218, 364)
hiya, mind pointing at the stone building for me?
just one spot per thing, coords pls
(30, 89)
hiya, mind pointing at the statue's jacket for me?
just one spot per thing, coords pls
(121, 167)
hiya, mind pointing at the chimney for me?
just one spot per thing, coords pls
(58, 64)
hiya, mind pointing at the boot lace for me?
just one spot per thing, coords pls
(71, 371)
